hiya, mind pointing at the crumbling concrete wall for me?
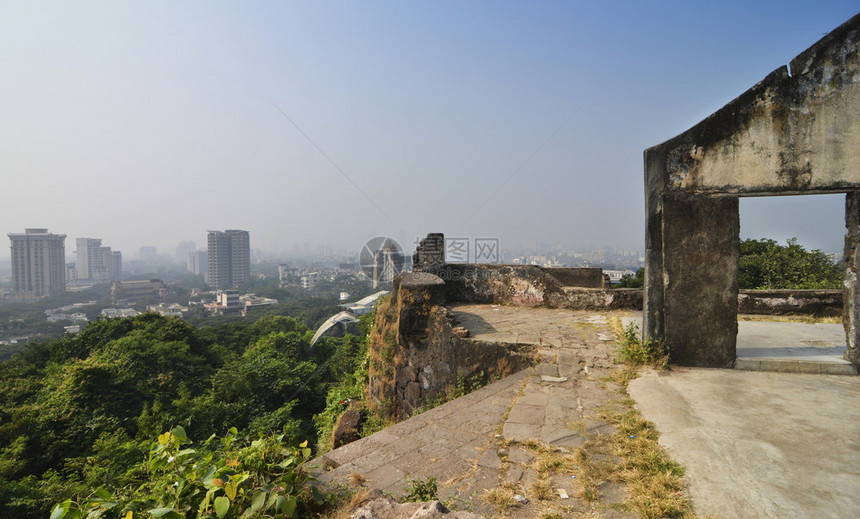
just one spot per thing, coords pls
(418, 353)
(795, 132)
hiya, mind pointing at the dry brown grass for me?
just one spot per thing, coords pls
(502, 498)
(356, 479)
(634, 457)
(344, 507)
(541, 489)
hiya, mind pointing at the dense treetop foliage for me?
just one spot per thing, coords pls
(637, 280)
(81, 413)
(765, 264)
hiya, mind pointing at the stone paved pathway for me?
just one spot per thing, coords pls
(473, 444)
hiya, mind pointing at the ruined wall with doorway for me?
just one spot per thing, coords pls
(795, 132)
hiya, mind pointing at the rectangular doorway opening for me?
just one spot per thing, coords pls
(790, 274)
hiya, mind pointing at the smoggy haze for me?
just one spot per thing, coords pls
(331, 122)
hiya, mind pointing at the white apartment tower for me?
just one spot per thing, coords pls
(97, 264)
(229, 255)
(38, 263)
(89, 257)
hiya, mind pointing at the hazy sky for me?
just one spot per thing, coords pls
(146, 123)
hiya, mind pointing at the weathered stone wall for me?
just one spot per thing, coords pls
(525, 285)
(583, 277)
(530, 285)
(596, 299)
(851, 311)
(416, 354)
(817, 303)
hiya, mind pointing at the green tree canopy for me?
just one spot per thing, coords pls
(637, 280)
(765, 264)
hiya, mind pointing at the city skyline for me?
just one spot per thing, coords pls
(332, 123)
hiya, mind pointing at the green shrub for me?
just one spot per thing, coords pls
(216, 479)
(636, 352)
(421, 489)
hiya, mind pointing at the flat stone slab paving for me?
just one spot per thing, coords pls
(470, 445)
(759, 445)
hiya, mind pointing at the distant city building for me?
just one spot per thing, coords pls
(616, 275)
(77, 316)
(287, 276)
(226, 302)
(112, 313)
(38, 263)
(95, 263)
(229, 258)
(251, 301)
(88, 256)
(71, 273)
(168, 309)
(310, 280)
(116, 267)
(198, 262)
(129, 292)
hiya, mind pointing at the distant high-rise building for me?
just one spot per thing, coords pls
(198, 262)
(89, 257)
(116, 268)
(229, 258)
(96, 264)
(38, 263)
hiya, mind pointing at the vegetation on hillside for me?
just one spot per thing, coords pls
(80, 413)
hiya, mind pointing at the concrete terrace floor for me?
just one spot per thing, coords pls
(754, 444)
(786, 345)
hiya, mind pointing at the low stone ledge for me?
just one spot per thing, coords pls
(818, 303)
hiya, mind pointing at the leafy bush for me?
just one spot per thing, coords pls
(421, 490)
(637, 280)
(636, 352)
(217, 479)
(765, 264)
